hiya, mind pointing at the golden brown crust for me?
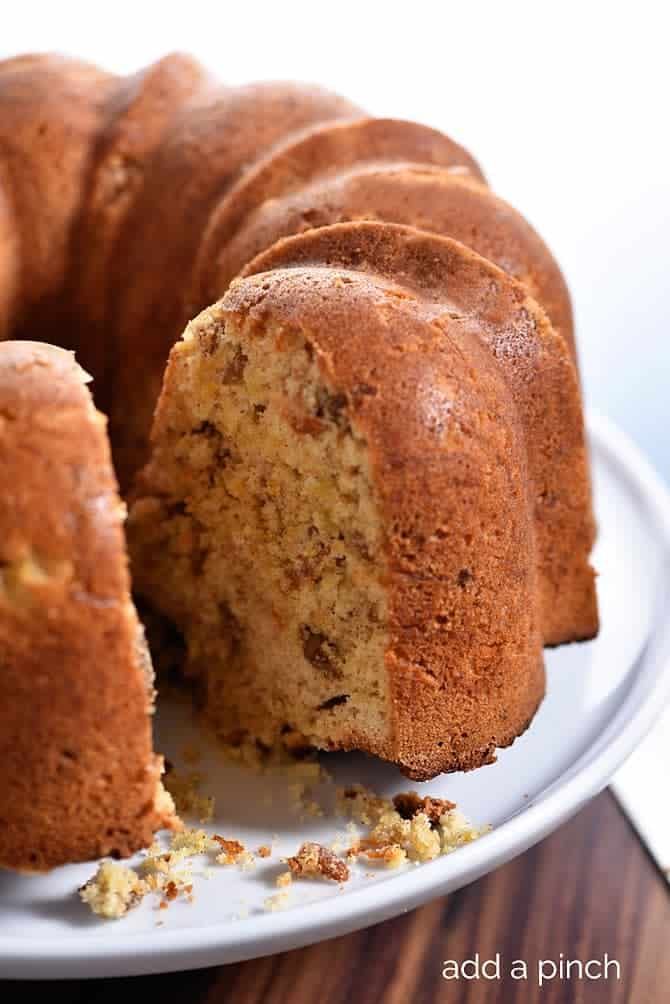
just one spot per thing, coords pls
(137, 114)
(44, 157)
(454, 284)
(78, 775)
(324, 153)
(9, 260)
(431, 199)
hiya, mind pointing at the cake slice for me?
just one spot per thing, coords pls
(78, 775)
(343, 511)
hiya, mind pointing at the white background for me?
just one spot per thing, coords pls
(565, 105)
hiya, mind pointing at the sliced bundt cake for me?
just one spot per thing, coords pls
(367, 504)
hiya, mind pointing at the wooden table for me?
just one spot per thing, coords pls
(588, 890)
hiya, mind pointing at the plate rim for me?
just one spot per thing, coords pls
(147, 952)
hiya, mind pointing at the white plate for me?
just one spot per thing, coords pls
(602, 698)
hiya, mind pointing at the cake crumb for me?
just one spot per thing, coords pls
(171, 891)
(169, 872)
(188, 843)
(315, 860)
(456, 831)
(409, 803)
(232, 852)
(407, 827)
(390, 855)
(113, 890)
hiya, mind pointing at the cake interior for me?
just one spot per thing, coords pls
(259, 535)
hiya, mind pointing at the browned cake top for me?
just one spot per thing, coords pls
(324, 152)
(430, 198)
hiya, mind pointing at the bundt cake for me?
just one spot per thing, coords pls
(78, 778)
(366, 506)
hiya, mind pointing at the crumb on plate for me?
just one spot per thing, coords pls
(113, 890)
(314, 860)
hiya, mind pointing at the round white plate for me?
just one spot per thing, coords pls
(602, 697)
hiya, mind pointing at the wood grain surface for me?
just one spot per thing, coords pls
(588, 890)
